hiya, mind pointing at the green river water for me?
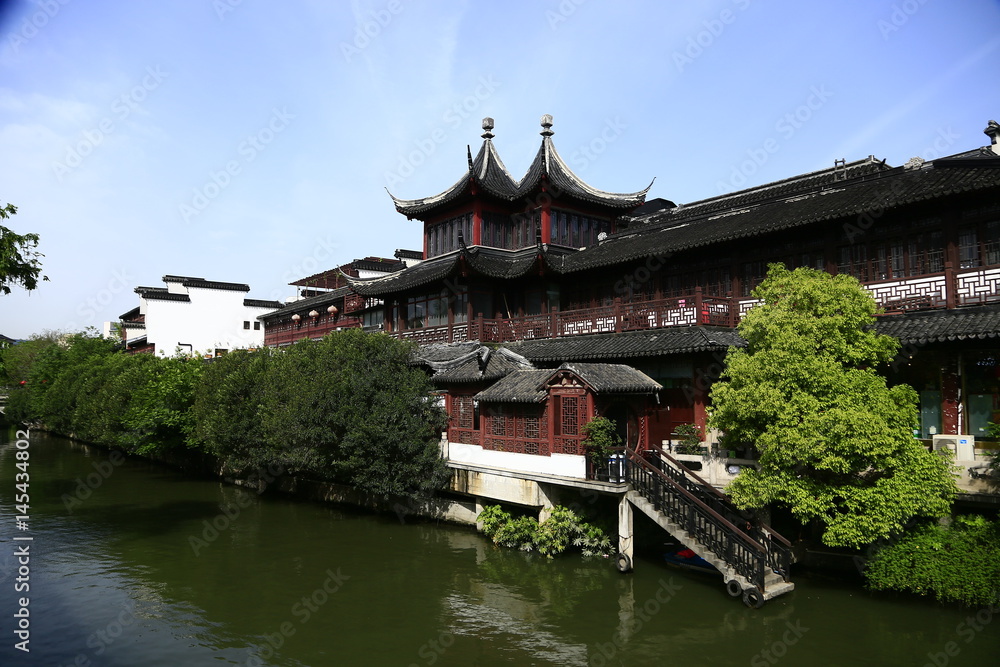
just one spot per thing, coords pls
(130, 575)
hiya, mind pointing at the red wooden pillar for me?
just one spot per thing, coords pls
(950, 285)
(546, 218)
(477, 223)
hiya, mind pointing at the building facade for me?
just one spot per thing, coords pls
(554, 271)
(194, 316)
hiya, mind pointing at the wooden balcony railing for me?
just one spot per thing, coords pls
(948, 289)
(308, 327)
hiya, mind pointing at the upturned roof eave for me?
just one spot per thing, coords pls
(549, 166)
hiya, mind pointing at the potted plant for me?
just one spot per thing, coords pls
(690, 439)
(601, 439)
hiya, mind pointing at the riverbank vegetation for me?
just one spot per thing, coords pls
(347, 408)
(955, 562)
(563, 529)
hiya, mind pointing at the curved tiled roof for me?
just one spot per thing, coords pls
(613, 378)
(482, 365)
(487, 170)
(550, 166)
(319, 302)
(966, 324)
(423, 273)
(486, 261)
(630, 345)
(519, 387)
(528, 386)
(693, 226)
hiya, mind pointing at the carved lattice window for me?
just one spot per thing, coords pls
(570, 418)
(464, 411)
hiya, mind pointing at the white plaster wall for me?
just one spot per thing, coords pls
(213, 319)
(564, 465)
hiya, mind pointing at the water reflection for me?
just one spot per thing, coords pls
(119, 575)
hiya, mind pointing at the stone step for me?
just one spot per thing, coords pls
(774, 584)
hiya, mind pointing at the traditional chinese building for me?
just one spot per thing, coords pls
(544, 302)
(556, 271)
(194, 315)
(324, 301)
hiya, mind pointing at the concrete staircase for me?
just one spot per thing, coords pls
(753, 559)
(774, 584)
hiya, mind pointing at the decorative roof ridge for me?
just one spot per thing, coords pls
(273, 304)
(514, 356)
(216, 284)
(548, 164)
(870, 160)
(483, 170)
(170, 278)
(424, 203)
(490, 156)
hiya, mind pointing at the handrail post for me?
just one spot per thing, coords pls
(950, 286)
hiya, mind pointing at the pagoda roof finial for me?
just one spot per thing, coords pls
(547, 125)
(488, 126)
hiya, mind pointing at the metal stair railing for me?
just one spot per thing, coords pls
(709, 528)
(779, 549)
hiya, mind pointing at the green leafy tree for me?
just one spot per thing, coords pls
(19, 259)
(835, 443)
(349, 408)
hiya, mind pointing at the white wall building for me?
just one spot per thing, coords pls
(195, 315)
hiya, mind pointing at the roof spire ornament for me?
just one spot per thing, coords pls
(547, 124)
(488, 126)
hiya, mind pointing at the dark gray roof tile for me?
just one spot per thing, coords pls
(963, 324)
(633, 344)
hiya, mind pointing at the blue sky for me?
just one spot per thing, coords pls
(252, 141)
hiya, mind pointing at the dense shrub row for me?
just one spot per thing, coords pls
(347, 408)
(957, 562)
